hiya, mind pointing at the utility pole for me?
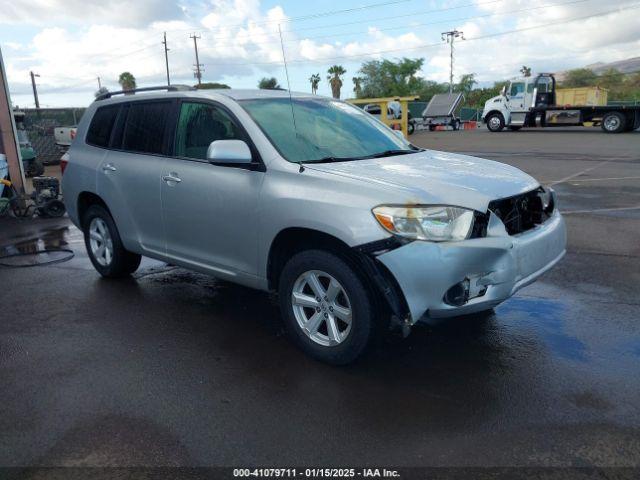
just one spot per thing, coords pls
(166, 57)
(99, 84)
(449, 37)
(35, 90)
(197, 66)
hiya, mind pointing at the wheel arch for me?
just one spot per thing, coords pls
(373, 273)
(87, 199)
(492, 112)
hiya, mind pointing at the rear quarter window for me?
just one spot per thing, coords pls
(99, 131)
(144, 127)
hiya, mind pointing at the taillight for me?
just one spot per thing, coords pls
(63, 162)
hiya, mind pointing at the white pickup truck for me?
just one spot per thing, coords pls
(64, 136)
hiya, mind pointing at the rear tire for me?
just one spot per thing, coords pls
(495, 122)
(613, 122)
(332, 317)
(104, 247)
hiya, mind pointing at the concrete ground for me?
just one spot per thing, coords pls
(175, 368)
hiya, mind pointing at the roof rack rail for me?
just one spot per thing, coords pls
(168, 88)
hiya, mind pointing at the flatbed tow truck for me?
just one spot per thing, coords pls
(531, 102)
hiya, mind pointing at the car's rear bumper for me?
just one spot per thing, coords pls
(495, 267)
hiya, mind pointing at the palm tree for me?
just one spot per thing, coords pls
(127, 81)
(315, 81)
(525, 71)
(357, 86)
(335, 81)
(269, 84)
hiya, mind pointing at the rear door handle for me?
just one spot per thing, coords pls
(172, 178)
(109, 167)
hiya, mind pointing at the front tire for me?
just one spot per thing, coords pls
(105, 249)
(326, 307)
(495, 122)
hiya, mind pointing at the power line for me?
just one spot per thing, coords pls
(430, 45)
(413, 26)
(310, 16)
(355, 22)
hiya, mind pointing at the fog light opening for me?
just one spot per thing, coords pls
(458, 295)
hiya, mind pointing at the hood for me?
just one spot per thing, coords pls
(433, 177)
(493, 104)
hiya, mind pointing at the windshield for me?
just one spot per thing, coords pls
(326, 130)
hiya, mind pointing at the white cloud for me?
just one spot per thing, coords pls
(120, 12)
(240, 42)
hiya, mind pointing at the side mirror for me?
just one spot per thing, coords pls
(503, 92)
(229, 151)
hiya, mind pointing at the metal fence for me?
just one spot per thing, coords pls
(40, 124)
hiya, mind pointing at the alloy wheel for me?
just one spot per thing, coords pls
(100, 241)
(321, 308)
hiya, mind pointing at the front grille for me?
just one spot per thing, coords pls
(523, 212)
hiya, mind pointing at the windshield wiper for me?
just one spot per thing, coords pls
(332, 159)
(386, 153)
(390, 153)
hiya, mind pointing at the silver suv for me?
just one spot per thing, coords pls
(356, 229)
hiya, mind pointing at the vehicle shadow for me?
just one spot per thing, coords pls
(446, 376)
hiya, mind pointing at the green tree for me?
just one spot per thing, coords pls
(430, 88)
(525, 71)
(335, 79)
(269, 84)
(127, 81)
(476, 98)
(466, 83)
(211, 86)
(386, 78)
(357, 86)
(579, 77)
(315, 81)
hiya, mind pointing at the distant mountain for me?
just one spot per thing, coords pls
(625, 66)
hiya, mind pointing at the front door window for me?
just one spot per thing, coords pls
(200, 124)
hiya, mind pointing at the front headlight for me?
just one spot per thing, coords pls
(437, 223)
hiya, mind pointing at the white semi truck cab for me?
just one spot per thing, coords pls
(531, 102)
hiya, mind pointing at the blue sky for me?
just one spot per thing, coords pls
(69, 44)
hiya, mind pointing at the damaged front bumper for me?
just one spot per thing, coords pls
(456, 278)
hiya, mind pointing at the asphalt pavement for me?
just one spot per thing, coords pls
(175, 368)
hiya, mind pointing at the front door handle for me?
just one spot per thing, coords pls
(109, 167)
(171, 178)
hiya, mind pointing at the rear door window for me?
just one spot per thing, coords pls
(144, 127)
(101, 125)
